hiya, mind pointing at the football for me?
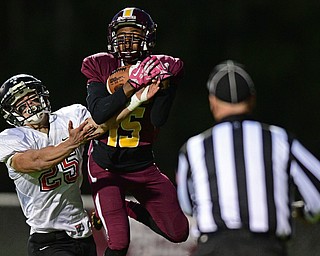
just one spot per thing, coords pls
(117, 78)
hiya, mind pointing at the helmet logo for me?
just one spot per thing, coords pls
(120, 18)
(127, 12)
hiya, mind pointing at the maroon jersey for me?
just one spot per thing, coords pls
(128, 145)
(98, 67)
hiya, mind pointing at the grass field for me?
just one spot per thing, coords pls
(14, 234)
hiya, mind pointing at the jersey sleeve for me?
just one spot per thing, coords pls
(183, 182)
(304, 169)
(175, 66)
(98, 67)
(82, 112)
(77, 113)
(12, 141)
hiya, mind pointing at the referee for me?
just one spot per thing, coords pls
(236, 178)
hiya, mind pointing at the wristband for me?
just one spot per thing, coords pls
(134, 102)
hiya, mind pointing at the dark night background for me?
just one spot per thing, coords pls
(277, 41)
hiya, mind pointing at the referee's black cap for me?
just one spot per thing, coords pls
(230, 82)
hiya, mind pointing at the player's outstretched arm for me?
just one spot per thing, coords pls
(34, 160)
(136, 100)
(142, 95)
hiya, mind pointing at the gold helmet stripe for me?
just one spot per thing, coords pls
(128, 12)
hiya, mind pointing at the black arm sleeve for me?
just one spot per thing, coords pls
(103, 105)
(162, 105)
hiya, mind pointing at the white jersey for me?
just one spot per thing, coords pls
(50, 199)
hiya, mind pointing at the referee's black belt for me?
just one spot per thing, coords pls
(243, 232)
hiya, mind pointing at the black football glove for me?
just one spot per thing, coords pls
(96, 221)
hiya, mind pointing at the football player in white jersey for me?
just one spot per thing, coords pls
(43, 154)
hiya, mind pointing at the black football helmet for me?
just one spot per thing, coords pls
(132, 17)
(18, 87)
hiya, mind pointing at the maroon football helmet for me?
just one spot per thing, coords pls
(132, 17)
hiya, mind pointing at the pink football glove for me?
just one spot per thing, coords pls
(161, 72)
(141, 74)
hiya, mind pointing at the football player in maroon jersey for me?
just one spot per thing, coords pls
(121, 162)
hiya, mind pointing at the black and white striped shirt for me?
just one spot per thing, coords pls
(238, 174)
